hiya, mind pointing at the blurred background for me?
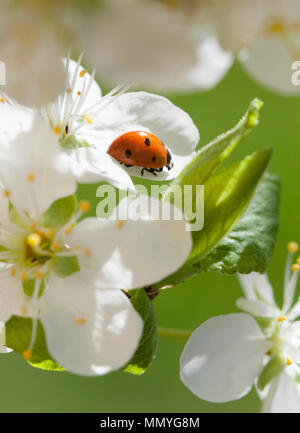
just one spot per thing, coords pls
(189, 304)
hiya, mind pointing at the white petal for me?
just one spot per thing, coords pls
(81, 83)
(257, 283)
(256, 308)
(36, 155)
(136, 254)
(141, 111)
(93, 165)
(108, 338)
(14, 120)
(223, 357)
(13, 300)
(34, 74)
(261, 66)
(294, 312)
(4, 349)
(149, 44)
(283, 395)
(213, 64)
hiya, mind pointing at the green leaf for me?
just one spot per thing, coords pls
(147, 347)
(18, 334)
(227, 195)
(211, 156)
(60, 212)
(270, 370)
(64, 266)
(249, 245)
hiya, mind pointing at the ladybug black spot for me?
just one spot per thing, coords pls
(128, 153)
(147, 141)
(154, 158)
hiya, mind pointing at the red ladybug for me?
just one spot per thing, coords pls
(141, 149)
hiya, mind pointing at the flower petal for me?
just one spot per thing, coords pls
(141, 111)
(89, 331)
(13, 300)
(222, 357)
(254, 283)
(36, 181)
(283, 395)
(93, 165)
(133, 254)
(256, 308)
(14, 120)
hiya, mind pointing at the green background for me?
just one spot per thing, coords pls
(24, 388)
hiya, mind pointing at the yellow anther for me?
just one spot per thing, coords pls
(78, 93)
(69, 90)
(80, 321)
(298, 260)
(68, 230)
(281, 319)
(293, 247)
(24, 276)
(27, 354)
(87, 252)
(33, 240)
(55, 246)
(31, 177)
(39, 274)
(24, 310)
(6, 193)
(269, 352)
(57, 130)
(33, 226)
(120, 224)
(2, 100)
(276, 27)
(84, 206)
(295, 267)
(88, 118)
(82, 73)
(13, 272)
(50, 233)
(289, 360)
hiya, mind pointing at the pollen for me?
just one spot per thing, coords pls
(39, 274)
(276, 27)
(13, 272)
(27, 354)
(281, 319)
(82, 73)
(80, 320)
(88, 118)
(24, 276)
(31, 177)
(293, 247)
(6, 193)
(84, 206)
(87, 252)
(33, 240)
(120, 224)
(57, 130)
(68, 230)
(78, 93)
(2, 100)
(24, 310)
(295, 267)
(55, 246)
(289, 361)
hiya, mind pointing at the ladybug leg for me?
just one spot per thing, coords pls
(127, 165)
(142, 172)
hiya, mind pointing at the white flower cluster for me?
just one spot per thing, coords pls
(91, 327)
(228, 354)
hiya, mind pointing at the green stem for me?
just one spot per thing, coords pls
(175, 334)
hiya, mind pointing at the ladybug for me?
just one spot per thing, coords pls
(141, 149)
